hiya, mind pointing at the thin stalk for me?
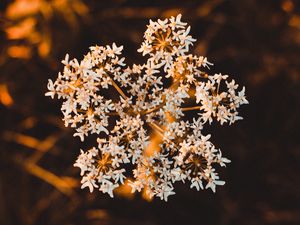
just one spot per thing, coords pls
(157, 129)
(191, 108)
(119, 90)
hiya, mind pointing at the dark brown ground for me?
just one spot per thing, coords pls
(257, 42)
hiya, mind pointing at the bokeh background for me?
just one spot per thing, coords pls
(256, 42)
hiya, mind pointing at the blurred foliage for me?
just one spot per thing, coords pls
(258, 42)
(29, 25)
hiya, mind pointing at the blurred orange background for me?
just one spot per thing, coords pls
(256, 42)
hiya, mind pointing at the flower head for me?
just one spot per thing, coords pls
(155, 99)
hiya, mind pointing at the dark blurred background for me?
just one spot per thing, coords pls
(256, 42)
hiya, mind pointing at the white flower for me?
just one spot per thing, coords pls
(155, 100)
(88, 181)
(176, 22)
(51, 89)
(66, 60)
(165, 192)
(119, 176)
(197, 183)
(108, 187)
(82, 162)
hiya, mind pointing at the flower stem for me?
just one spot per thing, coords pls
(191, 108)
(155, 127)
(118, 89)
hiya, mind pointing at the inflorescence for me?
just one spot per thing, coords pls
(170, 96)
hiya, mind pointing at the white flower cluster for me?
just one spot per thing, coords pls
(155, 98)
